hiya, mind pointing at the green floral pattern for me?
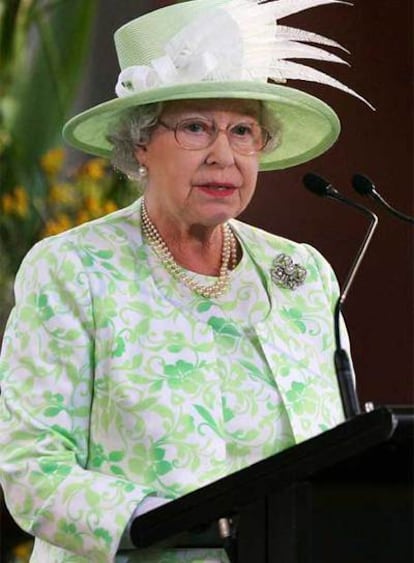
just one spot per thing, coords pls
(118, 383)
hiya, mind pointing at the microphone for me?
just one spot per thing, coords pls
(364, 186)
(321, 187)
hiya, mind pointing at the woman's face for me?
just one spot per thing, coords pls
(206, 186)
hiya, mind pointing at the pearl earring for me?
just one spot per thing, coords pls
(142, 171)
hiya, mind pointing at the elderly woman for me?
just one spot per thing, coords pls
(167, 345)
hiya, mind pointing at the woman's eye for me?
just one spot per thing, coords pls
(242, 130)
(196, 127)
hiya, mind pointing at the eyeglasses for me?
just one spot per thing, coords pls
(197, 133)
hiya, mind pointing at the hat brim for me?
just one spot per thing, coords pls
(309, 126)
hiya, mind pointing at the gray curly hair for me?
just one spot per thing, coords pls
(137, 124)
(133, 129)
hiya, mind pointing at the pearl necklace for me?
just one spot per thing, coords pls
(228, 259)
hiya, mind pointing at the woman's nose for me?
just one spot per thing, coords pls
(220, 151)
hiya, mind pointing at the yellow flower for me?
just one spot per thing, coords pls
(22, 550)
(93, 205)
(7, 204)
(109, 206)
(55, 226)
(21, 201)
(16, 203)
(52, 162)
(82, 217)
(94, 169)
(62, 194)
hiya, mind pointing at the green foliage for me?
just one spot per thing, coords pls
(43, 45)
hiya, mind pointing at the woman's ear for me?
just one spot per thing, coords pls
(141, 154)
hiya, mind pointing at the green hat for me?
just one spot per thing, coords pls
(220, 49)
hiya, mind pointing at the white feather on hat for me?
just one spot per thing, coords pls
(242, 41)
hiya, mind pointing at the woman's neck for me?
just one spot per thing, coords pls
(198, 252)
(194, 247)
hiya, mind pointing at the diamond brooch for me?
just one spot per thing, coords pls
(285, 273)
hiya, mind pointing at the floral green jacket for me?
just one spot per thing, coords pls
(109, 387)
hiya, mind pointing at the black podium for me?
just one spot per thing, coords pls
(345, 496)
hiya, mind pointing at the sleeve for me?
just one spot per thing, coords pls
(47, 380)
(148, 504)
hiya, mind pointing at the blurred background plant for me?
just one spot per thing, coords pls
(43, 51)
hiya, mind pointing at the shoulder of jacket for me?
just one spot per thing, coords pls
(91, 230)
(256, 236)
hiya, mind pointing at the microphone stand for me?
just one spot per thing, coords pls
(343, 368)
(349, 397)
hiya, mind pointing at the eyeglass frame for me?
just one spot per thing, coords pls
(217, 131)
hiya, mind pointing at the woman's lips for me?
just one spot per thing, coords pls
(217, 189)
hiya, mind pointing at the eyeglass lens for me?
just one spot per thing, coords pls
(244, 137)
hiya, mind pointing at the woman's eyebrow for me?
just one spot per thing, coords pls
(201, 115)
